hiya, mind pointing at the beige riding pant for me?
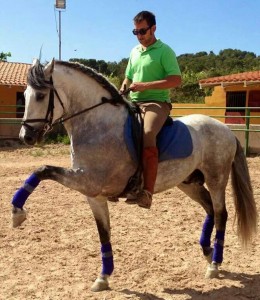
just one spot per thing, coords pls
(154, 115)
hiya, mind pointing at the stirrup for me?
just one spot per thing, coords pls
(131, 199)
(112, 198)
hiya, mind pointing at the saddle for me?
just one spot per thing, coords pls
(173, 141)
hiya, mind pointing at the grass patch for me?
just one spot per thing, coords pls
(38, 152)
(58, 139)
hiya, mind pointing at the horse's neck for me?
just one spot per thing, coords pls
(100, 123)
(98, 134)
(106, 119)
(80, 91)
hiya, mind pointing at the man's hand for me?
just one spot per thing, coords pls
(124, 91)
(124, 87)
(138, 86)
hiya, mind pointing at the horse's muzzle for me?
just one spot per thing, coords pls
(30, 136)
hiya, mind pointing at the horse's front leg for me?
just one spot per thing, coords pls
(100, 211)
(76, 179)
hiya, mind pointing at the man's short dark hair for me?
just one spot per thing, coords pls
(147, 16)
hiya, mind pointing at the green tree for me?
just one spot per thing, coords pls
(3, 56)
(193, 67)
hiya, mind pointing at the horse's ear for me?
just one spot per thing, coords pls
(48, 69)
(35, 62)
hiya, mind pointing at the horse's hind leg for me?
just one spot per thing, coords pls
(213, 201)
(217, 191)
(200, 194)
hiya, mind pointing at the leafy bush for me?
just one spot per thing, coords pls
(57, 138)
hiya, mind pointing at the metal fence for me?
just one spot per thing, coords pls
(248, 117)
(9, 122)
(10, 110)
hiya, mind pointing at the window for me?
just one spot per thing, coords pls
(234, 102)
(20, 102)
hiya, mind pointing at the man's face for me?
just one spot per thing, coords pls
(148, 37)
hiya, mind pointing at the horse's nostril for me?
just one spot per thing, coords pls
(29, 140)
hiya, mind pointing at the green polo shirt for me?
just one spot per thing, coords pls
(155, 63)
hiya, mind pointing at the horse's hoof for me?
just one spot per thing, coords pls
(100, 284)
(212, 271)
(18, 216)
(208, 257)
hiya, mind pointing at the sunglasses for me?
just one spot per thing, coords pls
(141, 31)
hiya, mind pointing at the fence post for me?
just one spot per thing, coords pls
(247, 130)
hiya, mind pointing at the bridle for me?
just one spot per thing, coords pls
(48, 120)
(49, 114)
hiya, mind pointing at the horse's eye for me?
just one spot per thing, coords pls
(40, 96)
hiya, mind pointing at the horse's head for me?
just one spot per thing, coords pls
(39, 103)
(73, 81)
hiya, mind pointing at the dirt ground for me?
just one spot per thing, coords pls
(55, 254)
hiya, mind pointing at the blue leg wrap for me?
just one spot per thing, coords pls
(107, 259)
(207, 231)
(218, 247)
(23, 193)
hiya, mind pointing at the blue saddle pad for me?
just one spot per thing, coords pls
(173, 141)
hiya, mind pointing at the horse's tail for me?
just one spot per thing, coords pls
(246, 212)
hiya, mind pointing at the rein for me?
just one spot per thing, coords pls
(49, 114)
(61, 120)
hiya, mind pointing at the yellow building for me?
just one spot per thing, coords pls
(230, 92)
(12, 86)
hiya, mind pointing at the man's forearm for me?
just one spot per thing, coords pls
(167, 83)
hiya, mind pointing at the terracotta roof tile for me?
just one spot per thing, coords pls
(13, 73)
(248, 77)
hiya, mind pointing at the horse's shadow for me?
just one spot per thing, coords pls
(250, 289)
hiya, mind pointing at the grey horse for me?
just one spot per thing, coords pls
(94, 115)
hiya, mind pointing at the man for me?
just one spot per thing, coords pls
(151, 71)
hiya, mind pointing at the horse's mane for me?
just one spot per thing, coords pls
(36, 79)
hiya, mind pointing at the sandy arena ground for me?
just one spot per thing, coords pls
(55, 254)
